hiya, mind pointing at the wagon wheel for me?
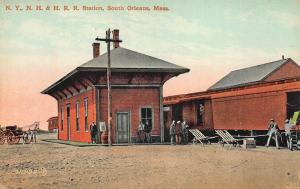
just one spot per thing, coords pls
(17, 140)
(2, 137)
(11, 138)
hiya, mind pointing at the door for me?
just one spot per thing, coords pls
(177, 112)
(68, 123)
(122, 127)
(293, 104)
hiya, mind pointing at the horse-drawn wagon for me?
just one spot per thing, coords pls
(12, 134)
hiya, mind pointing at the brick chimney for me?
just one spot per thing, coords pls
(116, 36)
(96, 50)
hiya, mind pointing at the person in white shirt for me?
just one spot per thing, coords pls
(273, 130)
(287, 127)
(172, 132)
(140, 133)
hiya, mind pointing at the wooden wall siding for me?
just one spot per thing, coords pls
(249, 112)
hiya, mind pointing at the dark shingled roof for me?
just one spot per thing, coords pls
(248, 75)
(124, 60)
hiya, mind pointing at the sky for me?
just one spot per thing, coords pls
(211, 38)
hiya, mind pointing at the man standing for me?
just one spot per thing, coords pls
(201, 112)
(185, 132)
(25, 137)
(178, 132)
(93, 133)
(172, 132)
(287, 127)
(148, 129)
(36, 127)
(273, 130)
(140, 133)
(31, 135)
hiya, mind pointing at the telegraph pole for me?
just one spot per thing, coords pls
(108, 75)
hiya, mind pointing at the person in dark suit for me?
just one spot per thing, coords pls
(178, 131)
(93, 133)
(185, 132)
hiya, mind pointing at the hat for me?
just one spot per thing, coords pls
(286, 121)
(271, 119)
(178, 121)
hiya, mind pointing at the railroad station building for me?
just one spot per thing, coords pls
(136, 88)
(244, 100)
(52, 124)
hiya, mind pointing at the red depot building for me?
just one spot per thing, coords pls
(136, 88)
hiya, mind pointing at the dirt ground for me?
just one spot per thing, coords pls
(51, 165)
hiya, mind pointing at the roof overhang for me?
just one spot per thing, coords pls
(159, 70)
(48, 89)
(113, 70)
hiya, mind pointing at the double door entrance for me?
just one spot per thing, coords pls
(123, 127)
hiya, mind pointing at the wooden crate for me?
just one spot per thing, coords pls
(249, 143)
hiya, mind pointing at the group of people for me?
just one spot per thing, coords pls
(274, 132)
(179, 132)
(144, 132)
(29, 136)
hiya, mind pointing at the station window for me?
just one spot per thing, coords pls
(146, 116)
(62, 118)
(86, 126)
(77, 116)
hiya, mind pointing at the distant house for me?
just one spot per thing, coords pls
(53, 124)
(245, 99)
(137, 95)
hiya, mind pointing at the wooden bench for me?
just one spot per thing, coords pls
(227, 138)
(199, 136)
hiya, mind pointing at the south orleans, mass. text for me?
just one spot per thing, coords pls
(19, 7)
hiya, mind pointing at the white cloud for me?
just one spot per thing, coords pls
(47, 34)
(286, 19)
(242, 17)
(5, 24)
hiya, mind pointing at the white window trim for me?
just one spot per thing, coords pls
(62, 119)
(140, 114)
(77, 116)
(77, 109)
(86, 114)
(86, 107)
